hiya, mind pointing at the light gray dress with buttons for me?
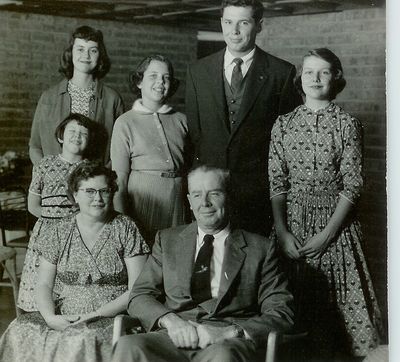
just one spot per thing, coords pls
(151, 148)
(90, 279)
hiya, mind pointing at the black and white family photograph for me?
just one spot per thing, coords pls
(199, 180)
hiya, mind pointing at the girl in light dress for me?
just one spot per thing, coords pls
(47, 198)
(148, 150)
(315, 174)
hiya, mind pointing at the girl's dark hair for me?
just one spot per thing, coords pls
(136, 76)
(338, 83)
(92, 127)
(87, 33)
(87, 170)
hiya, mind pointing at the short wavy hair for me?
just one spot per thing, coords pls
(136, 76)
(256, 5)
(222, 172)
(90, 169)
(338, 82)
(87, 33)
(92, 127)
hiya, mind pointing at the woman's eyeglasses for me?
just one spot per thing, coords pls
(91, 193)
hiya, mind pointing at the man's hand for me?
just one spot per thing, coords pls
(182, 333)
(210, 334)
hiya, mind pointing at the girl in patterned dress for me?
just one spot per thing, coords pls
(315, 174)
(83, 63)
(47, 197)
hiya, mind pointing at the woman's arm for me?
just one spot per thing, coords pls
(34, 204)
(287, 241)
(121, 197)
(44, 298)
(134, 266)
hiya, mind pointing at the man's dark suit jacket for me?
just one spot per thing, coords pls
(252, 294)
(243, 150)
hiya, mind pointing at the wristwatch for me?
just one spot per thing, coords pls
(239, 331)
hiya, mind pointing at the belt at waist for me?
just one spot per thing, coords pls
(166, 174)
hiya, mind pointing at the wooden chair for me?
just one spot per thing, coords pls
(8, 254)
(123, 324)
(14, 216)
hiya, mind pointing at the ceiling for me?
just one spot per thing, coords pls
(198, 14)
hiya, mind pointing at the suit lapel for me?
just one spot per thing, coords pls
(215, 73)
(233, 260)
(186, 248)
(257, 76)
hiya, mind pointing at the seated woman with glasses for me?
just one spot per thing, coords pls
(96, 255)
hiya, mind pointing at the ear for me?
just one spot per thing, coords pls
(139, 85)
(259, 25)
(190, 203)
(60, 140)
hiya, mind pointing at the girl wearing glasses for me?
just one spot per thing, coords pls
(96, 255)
(47, 198)
(148, 150)
(315, 173)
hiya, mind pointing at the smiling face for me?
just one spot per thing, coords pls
(316, 79)
(85, 54)
(98, 206)
(208, 200)
(155, 84)
(239, 29)
(75, 139)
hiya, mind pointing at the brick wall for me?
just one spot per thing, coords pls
(30, 48)
(358, 38)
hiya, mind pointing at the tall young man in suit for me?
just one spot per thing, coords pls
(232, 100)
(208, 292)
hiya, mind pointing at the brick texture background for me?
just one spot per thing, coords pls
(357, 37)
(31, 45)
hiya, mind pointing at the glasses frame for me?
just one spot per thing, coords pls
(90, 192)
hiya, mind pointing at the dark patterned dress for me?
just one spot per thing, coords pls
(89, 279)
(315, 158)
(49, 181)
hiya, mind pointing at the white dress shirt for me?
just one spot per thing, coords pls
(217, 257)
(229, 64)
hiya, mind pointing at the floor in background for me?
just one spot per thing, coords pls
(7, 309)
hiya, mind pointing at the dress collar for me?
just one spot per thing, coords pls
(139, 107)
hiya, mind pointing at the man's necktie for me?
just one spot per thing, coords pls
(237, 76)
(201, 279)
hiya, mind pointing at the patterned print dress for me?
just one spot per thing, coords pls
(89, 279)
(49, 181)
(315, 158)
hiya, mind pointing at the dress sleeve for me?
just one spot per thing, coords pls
(351, 160)
(134, 244)
(277, 168)
(36, 185)
(48, 243)
(35, 142)
(120, 147)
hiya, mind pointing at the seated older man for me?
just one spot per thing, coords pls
(208, 292)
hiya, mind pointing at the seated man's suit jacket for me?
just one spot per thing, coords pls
(253, 293)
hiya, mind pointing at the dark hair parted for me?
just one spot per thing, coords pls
(90, 169)
(256, 5)
(223, 173)
(338, 83)
(92, 127)
(87, 33)
(136, 76)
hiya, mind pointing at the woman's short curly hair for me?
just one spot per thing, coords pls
(338, 82)
(92, 127)
(136, 76)
(87, 33)
(87, 170)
